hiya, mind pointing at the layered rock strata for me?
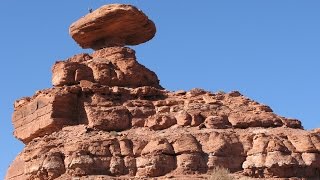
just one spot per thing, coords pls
(112, 25)
(149, 132)
(108, 117)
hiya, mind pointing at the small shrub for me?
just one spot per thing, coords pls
(219, 173)
(221, 92)
(114, 133)
(197, 91)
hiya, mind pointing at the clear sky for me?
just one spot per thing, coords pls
(268, 49)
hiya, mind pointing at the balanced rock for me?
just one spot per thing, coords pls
(112, 25)
(107, 117)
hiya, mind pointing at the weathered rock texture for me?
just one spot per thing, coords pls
(113, 25)
(114, 66)
(107, 117)
(150, 132)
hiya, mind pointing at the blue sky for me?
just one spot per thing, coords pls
(268, 50)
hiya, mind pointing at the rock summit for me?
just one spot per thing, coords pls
(107, 117)
(112, 25)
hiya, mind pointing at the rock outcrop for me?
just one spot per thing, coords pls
(114, 66)
(107, 116)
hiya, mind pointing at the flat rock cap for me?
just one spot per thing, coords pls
(112, 25)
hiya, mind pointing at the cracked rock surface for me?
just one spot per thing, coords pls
(107, 117)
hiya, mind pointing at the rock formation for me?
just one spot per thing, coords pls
(113, 25)
(107, 116)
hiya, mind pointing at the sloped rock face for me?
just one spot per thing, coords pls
(107, 117)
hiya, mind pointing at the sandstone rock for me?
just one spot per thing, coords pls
(161, 146)
(126, 147)
(142, 112)
(196, 92)
(315, 138)
(276, 144)
(114, 53)
(302, 143)
(292, 123)
(263, 119)
(191, 163)
(138, 122)
(232, 163)
(116, 66)
(183, 118)
(44, 114)
(225, 150)
(217, 122)
(188, 153)
(107, 117)
(159, 122)
(80, 164)
(186, 144)
(16, 169)
(130, 164)
(211, 100)
(95, 148)
(278, 164)
(317, 130)
(278, 156)
(311, 159)
(117, 166)
(54, 165)
(155, 166)
(258, 151)
(197, 119)
(259, 144)
(139, 145)
(112, 25)
(70, 73)
(278, 159)
(235, 94)
(148, 92)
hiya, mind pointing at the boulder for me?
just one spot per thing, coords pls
(160, 121)
(112, 25)
(217, 122)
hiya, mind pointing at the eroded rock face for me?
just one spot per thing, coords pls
(150, 132)
(120, 108)
(45, 113)
(116, 66)
(108, 117)
(112, 25)
(88, 128)
(81, 151)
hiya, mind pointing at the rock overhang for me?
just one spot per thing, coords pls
(112, 25)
